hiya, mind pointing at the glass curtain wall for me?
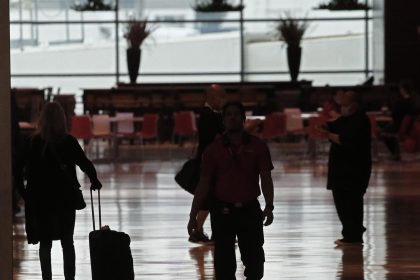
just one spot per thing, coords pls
(53, 45)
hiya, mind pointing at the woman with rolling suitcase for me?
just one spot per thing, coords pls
(52, 193)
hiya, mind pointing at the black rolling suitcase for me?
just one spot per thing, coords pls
(110, 254)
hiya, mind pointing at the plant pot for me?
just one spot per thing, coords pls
(294, 55)
(344, 5)
(133, 63)
(215, 23)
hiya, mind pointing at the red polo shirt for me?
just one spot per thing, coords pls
(234, 170)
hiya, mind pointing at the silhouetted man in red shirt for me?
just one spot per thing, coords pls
(231, 168)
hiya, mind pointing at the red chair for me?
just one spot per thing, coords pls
(406, 126)
(294, 121)
(274, 126)
(404, 129)
(149, 129)
(184, 127)
(411, 143)
(125, 125)
(101, 126)
(81, 129)
(101, 129)
(373, 126)
(374, 134)
(312, 131)
(403, 133)
(184, 124)
(314, 136)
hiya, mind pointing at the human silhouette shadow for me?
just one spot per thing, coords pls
(352, 263)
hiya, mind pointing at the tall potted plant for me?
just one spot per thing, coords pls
(337, 5)
(136, 32)
(291, 31)
(93, 5)
(216, 6)
(214, 11)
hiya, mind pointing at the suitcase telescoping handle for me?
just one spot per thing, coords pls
(93, 210)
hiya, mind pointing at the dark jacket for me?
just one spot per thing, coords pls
(209, 126)
(350, 163)
(49, 209)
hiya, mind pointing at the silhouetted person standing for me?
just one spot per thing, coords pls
(403, 106)
(16, 149)
(230, 172)
(209, 126)
(349, 165)
(49, 203)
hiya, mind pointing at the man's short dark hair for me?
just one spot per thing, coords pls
(236, 104)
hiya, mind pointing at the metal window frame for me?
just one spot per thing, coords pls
(241, 21)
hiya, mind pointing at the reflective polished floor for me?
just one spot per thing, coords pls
(142, 200)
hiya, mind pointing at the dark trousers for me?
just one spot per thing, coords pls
(69, 258)
(349, 205)
(246, 224)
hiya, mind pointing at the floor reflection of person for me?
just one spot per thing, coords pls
(352, 263)
(202, 256)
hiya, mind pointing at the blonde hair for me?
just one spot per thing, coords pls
(52, 123)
